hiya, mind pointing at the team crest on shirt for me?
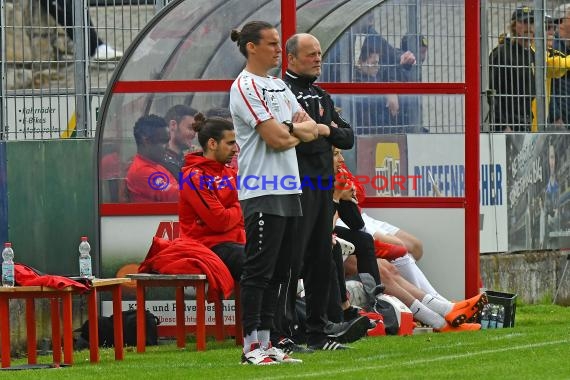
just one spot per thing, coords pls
(274, 103)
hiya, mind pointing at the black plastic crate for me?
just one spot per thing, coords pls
(500, 311)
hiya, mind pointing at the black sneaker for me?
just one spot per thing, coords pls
(353, 312)
(348, 332)
(288, 346)
(350, 313)
(328, 344)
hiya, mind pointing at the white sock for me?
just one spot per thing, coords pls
(263, 336)
(437, 305)
(423, 314)
(410, 271)
(248, 340)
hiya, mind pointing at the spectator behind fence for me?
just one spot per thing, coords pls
(560, 103)
(62, 12)
(179, 118)
(511, 76)
(557, 65)
(410, 105)
(147, 179)
(393, 60)
(373, 111)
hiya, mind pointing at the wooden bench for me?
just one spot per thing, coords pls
(31, 293)
(179, 282)
(112, 285)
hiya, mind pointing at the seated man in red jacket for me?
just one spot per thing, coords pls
(208, 208)
(147, 179)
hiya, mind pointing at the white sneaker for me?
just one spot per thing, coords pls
(346, 247)
(105, 52)
(257, 356)
(278, 356)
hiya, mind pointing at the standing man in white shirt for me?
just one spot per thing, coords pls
(269, 123)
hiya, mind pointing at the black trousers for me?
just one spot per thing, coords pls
(233, 255)
(337, 293)
(312, 262)
(270, 243)
(62, 12)
(363, 249)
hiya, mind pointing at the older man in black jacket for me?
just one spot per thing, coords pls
(316, 170)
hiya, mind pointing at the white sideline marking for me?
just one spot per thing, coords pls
(422, 361)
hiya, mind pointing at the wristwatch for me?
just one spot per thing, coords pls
(290, 125)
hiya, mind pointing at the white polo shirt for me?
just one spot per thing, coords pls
(253, 100)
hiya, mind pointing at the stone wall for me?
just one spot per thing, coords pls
(533, 276)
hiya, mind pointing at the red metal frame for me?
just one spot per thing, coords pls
(288, 27)
(224, 85)
(471, 90)
(171, 208)
(125, 209)
(472, 115)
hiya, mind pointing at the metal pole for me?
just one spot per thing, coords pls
(414, 109)
(158, 5)
(80, 38)
(288, 27)
(539, 64)
(472, 122)
(484, 51)
(561, 278)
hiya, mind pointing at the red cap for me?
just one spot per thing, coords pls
(8, 244)
(83, 238)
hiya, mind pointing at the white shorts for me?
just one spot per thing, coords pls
(372, 226)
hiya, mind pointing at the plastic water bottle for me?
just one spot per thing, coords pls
(493, 316)
(485, 317)
(85, 258)
(8, 266)
(500, 316)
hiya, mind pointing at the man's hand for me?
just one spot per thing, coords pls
(300, 116)
(407, 58)
(324, 130)
(306, 128)
(344, 188)
(393, 105)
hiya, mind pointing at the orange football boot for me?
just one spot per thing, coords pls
(463, 310)
(462, 327)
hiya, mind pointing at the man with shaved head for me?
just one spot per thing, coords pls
(314, 261)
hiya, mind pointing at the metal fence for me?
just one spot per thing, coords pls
(523, 68)
(414, 41)
(57, 59)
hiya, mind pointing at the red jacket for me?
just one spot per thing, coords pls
(149, 181)
(208, 208)
(27, 276)
(187, 256)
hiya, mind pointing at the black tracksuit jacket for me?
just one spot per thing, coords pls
(315, 158)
